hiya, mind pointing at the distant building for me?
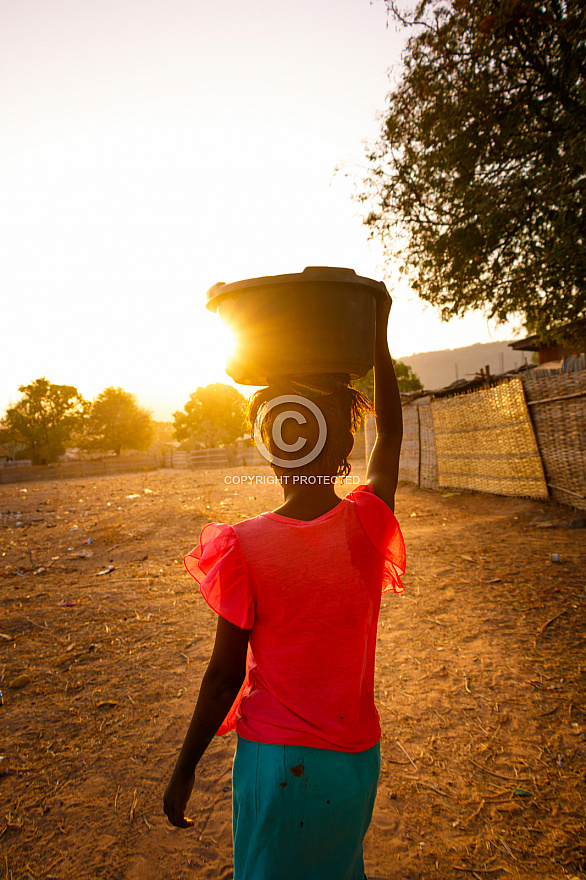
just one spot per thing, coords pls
(548, 352)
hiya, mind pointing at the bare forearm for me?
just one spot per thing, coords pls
(219, 688)
(215, 699)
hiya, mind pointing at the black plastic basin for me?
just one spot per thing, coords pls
(321, 320)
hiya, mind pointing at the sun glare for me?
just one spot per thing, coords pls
(226, 340)
(215, 344)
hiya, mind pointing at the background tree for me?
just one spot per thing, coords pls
(213, 416)
(477, 182)
(116, 422)
(44, 419)
(407, 380)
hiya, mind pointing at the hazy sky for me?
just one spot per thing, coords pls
(153, 147)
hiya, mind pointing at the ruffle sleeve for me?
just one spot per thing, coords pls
(218, 567)
(380, 524)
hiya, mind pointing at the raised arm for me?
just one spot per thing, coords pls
(383, 467)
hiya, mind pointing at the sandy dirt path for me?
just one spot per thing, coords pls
(480, 684)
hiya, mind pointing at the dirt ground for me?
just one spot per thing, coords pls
(480, 684)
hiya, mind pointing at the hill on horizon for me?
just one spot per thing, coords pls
(437, 369)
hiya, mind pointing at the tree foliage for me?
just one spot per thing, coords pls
(407, 380)
(213, 416)
(477, 182)
(116, 422)
(44, 419)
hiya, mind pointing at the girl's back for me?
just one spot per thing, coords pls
(309, 591)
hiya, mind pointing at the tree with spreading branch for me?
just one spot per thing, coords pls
(116, 422)
(477, 182)
(44, 419)
(213, 416)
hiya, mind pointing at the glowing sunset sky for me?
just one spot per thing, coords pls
(153, 148)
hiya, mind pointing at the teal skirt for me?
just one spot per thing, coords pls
(301, 813)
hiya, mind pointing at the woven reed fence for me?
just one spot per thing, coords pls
(410, 449)
(485, 441)
(428, 466)
(557, 402)
(519, 438)
(418, 462)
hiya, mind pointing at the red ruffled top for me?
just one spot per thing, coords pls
(309, 592)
